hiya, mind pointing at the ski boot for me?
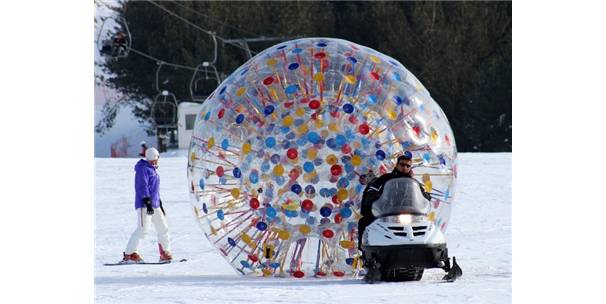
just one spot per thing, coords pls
(373, 271)
(165, 256)
(453, 272)
(133, 258)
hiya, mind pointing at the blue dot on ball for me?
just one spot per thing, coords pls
(325, 211)
(345, 212)
(397, 100)
(348, 108)
(293, 66)
(380, 155)
(225, 144)
(237, 173)
(254, 177)
(231, 241)
(270, 212)
(308, 167)
(291, 89)
(270, 142)
(268, 110)
(261, 226)
(296, 188)
(240, 118)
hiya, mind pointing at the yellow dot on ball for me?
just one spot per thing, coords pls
(312, 153)
(331, 159)
(351, 79)
(284, 235)
(305, 229)
(319, 123)
(347, 244)
(431, 216)
(333, 126)
(375, 59)
(278, 170)
(391, 114)
(287, 121)
(319, 77)
(342, 194)
(271, 61)
(246, 238)
(356, 160)
(300, 112)
(241, 91)
(434, 136)
(303, 129)
(211, 142)
(235, 192)
(246, 147)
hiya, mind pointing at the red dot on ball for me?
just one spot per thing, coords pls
(328, 233)
(267, 81)
(254, 203)
(307, 205)
(314, 104)
(363, 129)
(336, 170)
(292, 153)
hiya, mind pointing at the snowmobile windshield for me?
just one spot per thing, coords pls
(400, 195)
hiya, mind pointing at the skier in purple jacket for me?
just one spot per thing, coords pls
(149, 208)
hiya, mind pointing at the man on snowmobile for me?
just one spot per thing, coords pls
(374, 189)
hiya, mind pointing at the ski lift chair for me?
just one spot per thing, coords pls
(114, 41)
(164, 110)
(204, 81)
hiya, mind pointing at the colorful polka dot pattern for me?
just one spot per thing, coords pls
(280, 151)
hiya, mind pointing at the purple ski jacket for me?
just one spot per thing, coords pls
(147, 184)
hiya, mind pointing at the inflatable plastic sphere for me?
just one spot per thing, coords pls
(281, 149)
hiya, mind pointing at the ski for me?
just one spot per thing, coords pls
(145, 263)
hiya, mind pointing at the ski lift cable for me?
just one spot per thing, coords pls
(197, 27)
(215, 20)
(159, 61)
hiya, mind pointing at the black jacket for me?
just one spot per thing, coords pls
(374, 189)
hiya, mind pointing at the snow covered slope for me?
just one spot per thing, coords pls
(479, 236)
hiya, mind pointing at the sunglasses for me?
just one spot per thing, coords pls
(404, 165)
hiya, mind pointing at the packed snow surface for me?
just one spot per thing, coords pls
(479, 235)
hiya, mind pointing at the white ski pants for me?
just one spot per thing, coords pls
(143, 223)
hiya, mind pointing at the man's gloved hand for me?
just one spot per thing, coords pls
(147, 202)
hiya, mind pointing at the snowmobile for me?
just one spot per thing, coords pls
(402, 242)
